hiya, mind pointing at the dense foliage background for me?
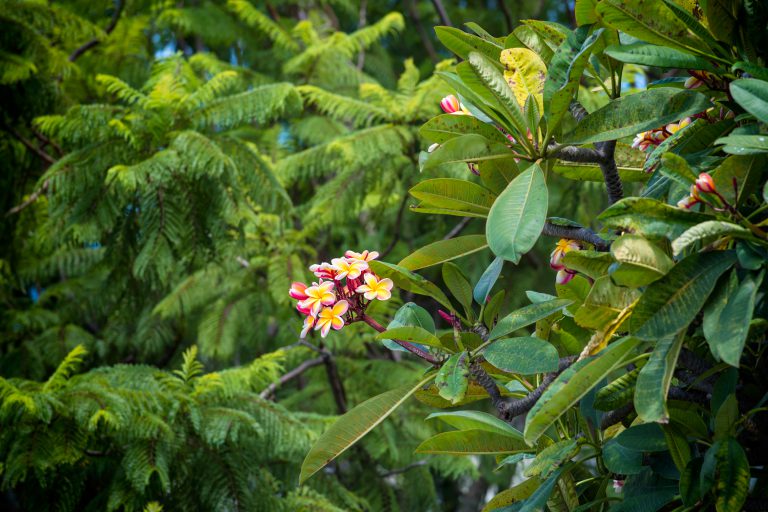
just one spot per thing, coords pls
(171, 168)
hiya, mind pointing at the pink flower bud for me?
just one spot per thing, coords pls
(564, 276)
(450, 104)
(705, 183)
(474, 168)
(445, 316)
(297, 291)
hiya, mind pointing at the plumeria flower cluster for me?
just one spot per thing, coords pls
(652, 138)
(563, 247)
(704, 184)
(344, 288)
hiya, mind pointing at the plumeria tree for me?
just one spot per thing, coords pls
(638, 382)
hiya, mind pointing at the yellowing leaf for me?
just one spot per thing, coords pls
(525, 73)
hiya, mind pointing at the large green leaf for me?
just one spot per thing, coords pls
(443, 250)
(409, 314)
(467, 148)
(727, 316)
(659, 56)
(353, 425)
(452, 379)
(459, 286)
(635, 113)
(592, 264)
(564, 73)
(462, 43)
(651, 21)
(707, 232)
(672, 302)
(487, 280)
(604, 303)
(744, 144)
(642, 262)
(655, 378)
(431, 395)
(537, 502)
(512, 495)
(526, 316)
(726, 467)
(472, 442)
(467, 420)
(410, 281)
(552, 457)
(524, 356)
(518, 215)
(571, 385)
(444, 127)
(649, 217)
(525, 73)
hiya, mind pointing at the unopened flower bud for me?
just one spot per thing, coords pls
(450, 104)
(705, 183)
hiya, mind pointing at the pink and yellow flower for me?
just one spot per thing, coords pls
(331, 317)
(323, 270)
(348, 267)
(673, 128)
(705, 183)
(563, 247)
(318, 295)
(450, 104)
(362, 256)
(375, 288)
(309, 322)
(297, 291)
(564, 276)
(687, 202)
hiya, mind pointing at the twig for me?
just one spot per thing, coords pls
(398, 471)
(442, 13)
(28, 144)
(458, 228)
(575, 233)
(306, 365)
(31, 199)
(334, 379)
(616, 416)
(119, 4)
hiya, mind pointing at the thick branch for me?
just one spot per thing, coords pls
(410, 347)
(334, 379)
(119, 4)
(574, 233)
(616, 416)
(31, 199)
(306, 365)
(610, 171)
(440, 8)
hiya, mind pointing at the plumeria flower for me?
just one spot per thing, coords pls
(563, 247)
(297, 291)
(331, 317)
(676, 127)
(375, 288)
(318, 296)
(618, 485)
(705, 183)
(323, 270)
(642, 140)
(564, 276)
(348, 267)
(451, 104)
(693, 82)
(309, 322)
(687, 202)
(474, 168)
(362, 256)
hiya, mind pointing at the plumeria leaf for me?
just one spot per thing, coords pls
(466, 420)
(442, 128)
(452, 379)
(655, 378)
(462, 43)
(526, 316)
(487, 280)
(456, 195)
(444, 250)
(459, 286)
(525, 73)
(410, 281)
(524, 356)
(412, 334)
(472, 442)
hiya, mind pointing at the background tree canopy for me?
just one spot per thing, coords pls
(170, 170)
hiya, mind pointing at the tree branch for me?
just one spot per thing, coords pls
(398, 471)
(306, 365)
(442, 13)
(334, 379)
(576, 233)
(610, 172)
(458, 228)
(425, 40)
(119, 4)
(31, 199)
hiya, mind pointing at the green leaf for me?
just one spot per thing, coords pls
(526, 316)
(431, 395)
(496, 85)
(409, 314)
(572, 384)
(646, 437)
(621, 460)
(708, 232)
(659, 56)
(525, 72)
(512, 495)
(444, 127)
(678, 446)
(453, 378)
(618, 393)
(651, 21)
(524, 356)
(412, 334)
(604, 303)
(410, 281)
(518, 215)
(491, 310)
(744, 144)
(538, 500)
(552, 457)
(637, 112)
(487, 280)
(672, 302)
(592, 264)
(731, 477)
(443, 250)
(564, 73)
(457, 283)
(353, 425)
(726, 418)
(468, 420)
(655, 378)
(650, 217)
(467, 148)
(462, 43)
(472, 442)
(727, 316)
(642, 262)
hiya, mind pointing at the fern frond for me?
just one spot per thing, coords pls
(67, 367)
(255, 18)
(260, 105)
(342, 108)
